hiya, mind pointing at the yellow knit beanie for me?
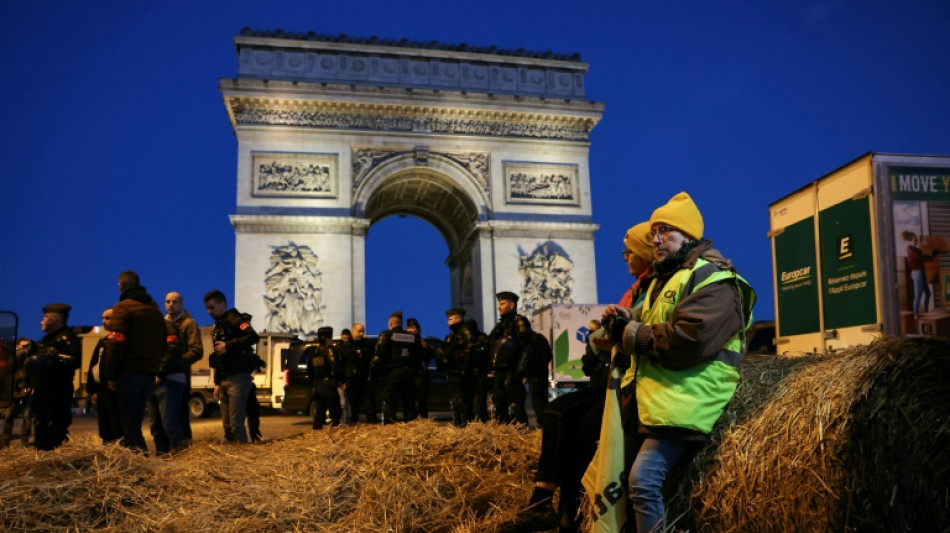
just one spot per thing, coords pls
(680, 212)
(637, 241)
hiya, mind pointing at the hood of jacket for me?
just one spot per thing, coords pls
(138, 294)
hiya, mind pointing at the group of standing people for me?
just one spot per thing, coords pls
(343, 374)
(143, 365)
(676, 342)
(499, 365)
(504, 361)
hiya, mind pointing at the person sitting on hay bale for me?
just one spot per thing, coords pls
(684, 345)
(571, 423)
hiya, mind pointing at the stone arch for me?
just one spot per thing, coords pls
(490, 147)
(439, 192)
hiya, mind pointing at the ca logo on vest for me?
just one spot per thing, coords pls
(668, 297)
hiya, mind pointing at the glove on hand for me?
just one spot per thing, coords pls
(617, 326)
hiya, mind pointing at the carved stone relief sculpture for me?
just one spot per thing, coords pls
(293, 290)
(286, 174)
(547, 276)
(541, 183)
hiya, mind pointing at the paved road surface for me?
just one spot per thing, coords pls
(274, 425)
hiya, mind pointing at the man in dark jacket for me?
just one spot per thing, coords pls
(354, 361)
(50, 368)
(539, 373)
(453, 357)
(398, 352)
(233, 360)
(322, 371)
(133, 354)
(507, 351)
(364, 348)
(104, 398)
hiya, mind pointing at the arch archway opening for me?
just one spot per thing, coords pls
(416, 281)
(430, 196)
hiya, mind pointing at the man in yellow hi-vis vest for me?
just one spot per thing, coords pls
(684, 346)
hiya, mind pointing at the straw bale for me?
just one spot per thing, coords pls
(855, 441)
(417, 477)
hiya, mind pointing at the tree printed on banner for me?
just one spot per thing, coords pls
(547, 276)
(294, 290)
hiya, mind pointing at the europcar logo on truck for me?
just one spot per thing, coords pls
(800, 274)
(800, 277)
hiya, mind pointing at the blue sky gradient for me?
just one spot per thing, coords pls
(117, 152)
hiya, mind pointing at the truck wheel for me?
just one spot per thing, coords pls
(197, 406)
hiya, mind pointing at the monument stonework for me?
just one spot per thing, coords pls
(335, 133)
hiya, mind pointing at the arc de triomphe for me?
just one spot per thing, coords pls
(334, 133)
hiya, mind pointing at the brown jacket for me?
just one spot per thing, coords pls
(136, 343)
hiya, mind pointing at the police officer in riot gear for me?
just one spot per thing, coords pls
(323, 370)
(50, 368)
(452, 357)
(507, 352)
(398, 351)
(365, 350)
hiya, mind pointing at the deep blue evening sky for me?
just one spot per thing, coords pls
(117, 152)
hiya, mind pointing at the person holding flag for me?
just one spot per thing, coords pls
(571, 423)
(685, 343)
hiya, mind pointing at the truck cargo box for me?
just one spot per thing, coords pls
(856, 250)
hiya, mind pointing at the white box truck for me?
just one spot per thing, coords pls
(270, 382)
(272, 348)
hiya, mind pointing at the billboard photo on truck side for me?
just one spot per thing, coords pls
(921, 203)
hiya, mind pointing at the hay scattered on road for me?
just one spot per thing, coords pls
(855, 441)
(421, 476)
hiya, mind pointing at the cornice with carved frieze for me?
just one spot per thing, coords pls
(299, 224)
(407, 119)
(401, 110)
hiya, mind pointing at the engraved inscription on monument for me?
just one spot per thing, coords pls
(289, 174)
(541, 183)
